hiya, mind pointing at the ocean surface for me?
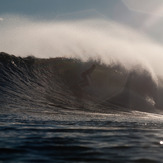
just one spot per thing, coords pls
(46, 116)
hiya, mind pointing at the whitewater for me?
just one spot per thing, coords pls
(46, 116)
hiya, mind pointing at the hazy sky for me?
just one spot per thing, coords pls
(50, 9)
(135, 13)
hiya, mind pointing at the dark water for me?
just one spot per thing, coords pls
(48, 137)
(46, 117)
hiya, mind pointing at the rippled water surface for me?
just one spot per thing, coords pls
(81, 137)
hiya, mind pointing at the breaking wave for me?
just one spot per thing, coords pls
(42, 83)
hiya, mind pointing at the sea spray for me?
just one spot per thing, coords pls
(84, 39)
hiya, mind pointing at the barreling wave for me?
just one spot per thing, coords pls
(41, 83)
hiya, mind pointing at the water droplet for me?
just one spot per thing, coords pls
(161, 142)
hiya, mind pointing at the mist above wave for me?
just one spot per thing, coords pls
(86, 38)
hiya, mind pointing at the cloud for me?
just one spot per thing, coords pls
(1, 19)
(152, 7)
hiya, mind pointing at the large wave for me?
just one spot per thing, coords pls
(35, 83)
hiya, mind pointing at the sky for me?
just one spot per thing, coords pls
(54, 7)
(137, 14)
(50, 9)
(127, 30)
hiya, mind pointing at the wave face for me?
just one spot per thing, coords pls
(56, 83)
